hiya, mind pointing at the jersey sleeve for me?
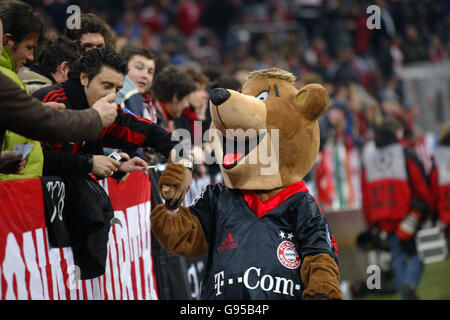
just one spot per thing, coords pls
(203, 209)
(420, 189)
(434, 188)
(57, 163)
(365, 197)
(312, 230)
(129, 132)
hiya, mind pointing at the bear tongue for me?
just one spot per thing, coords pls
(231, 158)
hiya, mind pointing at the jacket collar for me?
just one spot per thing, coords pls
(41, 71)
(167, 111)
(6, 59)
(8, 68)
(75, 94)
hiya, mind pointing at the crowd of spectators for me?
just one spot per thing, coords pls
(179, 50)
(321, 41)
(185, 48)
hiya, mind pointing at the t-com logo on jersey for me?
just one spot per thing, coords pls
(253, 279)
(228, 244)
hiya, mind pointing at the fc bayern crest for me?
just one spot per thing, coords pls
(287, 255)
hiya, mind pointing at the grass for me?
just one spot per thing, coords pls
(434, 285)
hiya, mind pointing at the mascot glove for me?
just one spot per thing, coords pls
(175, 181)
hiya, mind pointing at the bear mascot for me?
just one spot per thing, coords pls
(265, 235)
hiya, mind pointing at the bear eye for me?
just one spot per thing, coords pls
(263, 95)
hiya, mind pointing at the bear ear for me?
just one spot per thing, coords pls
(312, 100)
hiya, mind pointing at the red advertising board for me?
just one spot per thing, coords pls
(31, 269)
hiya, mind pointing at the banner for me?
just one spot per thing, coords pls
(31, 269)
(337, 176)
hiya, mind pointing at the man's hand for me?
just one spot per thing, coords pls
(11, 162)
(126, 156)
(104, 167)
(135, 164)
(56, 105)
(107, 109)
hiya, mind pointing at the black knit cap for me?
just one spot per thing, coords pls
(386, 132)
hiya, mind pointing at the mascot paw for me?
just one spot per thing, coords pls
(175, 181)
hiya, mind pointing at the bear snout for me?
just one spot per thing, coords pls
(219, 96)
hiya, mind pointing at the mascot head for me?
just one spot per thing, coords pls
(266, 135)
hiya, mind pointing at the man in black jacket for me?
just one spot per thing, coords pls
(99, 73)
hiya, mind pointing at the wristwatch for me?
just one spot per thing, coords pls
(187, 163)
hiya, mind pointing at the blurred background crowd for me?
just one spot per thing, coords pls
(317, 40)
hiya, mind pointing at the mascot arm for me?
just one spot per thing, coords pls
(180, 233)
(177, 230)
(320, 275)
(319, 271)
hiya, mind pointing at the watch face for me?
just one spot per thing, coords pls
(188, 164)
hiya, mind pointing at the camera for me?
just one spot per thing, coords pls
(118, 174)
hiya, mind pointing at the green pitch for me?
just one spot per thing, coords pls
(434, 285)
